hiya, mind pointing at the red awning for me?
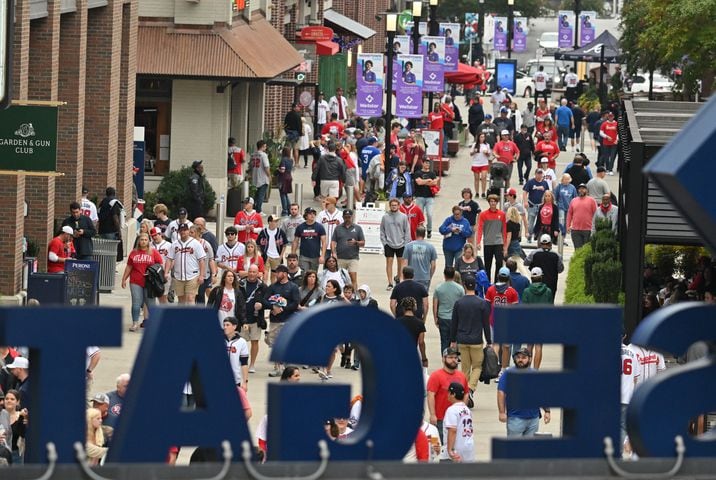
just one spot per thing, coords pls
(327, 47)
(467, 75)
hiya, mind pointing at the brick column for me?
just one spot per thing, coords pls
(40, 214)
(71, 120)
(21, 54)
(13, 188)
(104, 42)
(44, 54)
(127, 96)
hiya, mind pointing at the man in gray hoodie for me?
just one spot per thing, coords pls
(330, 171)
(394, 235)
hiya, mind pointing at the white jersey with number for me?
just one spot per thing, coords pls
(571, 80)
(459, 417)
(651, 362)
(163, 248)
(186, 257)
(89, 209)
(631, 373)
(229, 255)
(237, 348)
(330, 221)
(540, 79)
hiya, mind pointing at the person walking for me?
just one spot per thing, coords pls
(564, 193)
(196, 190)
(537, 293)
(260, 173)
(330, 172)
(455, 231)
(458, 429)
(437, 388)
(565, 122)
(409, 288)
(580, 216)
(272, 242)
(426, 184)
(492, 227)
(185, 264)
(394, 235)
(526, 146)
(547, 221)
(606, 211)
(421, 256)
(470, 332)
(82, 231)
(480, 154)
(310, 242)
(253, 291)
(609, 134)
(347, 241)
(532, 194)
(550, 262)
(444, 298)
(138, 261)
(281, 299)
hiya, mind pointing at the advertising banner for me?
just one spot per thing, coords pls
(28, 138)
(499, 39)
(82, 282)
(409, 95)
(521, 30)
(471, 27)
(369, 83)
(451, 33)
(401, 44)
(587, 30)
(566, 29)
(433, 48)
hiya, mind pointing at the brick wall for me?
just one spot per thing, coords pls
(41, 214)
(44, 54)
(278, 98)
(104, 42)
(127, 90)
(71, 120)
(21, 54)
(11, 208)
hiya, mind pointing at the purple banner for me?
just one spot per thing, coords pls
(521, 30)
(369, 85)
(586, 28)
(499, 38)
(566, 29)
(400, 45)
(451, 32)
(433, 49)
(409, 94)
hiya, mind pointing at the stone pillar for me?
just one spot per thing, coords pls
(11, 209)
(71, 119)
(104, 42)
(39, 223)
(127, 96)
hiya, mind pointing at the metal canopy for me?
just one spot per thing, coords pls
(646, 216)
(348, 24)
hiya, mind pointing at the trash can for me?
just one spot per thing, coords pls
(47, 288)
(105, 252)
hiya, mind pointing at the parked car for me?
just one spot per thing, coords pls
(639, 83)
(549, 42)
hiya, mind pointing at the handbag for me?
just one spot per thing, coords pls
(434, 189)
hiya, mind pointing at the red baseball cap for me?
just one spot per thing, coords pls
(154, 231)
(512, 192)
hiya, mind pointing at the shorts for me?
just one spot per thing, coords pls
(330, 188)
(479, 169)
(390, 252)
(350, 265)
(575, 132)
(252, 333)
(350, 177)
(186, 287)
(292, 137)
(272, 333)
(273, 263)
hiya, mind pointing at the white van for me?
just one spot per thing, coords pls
(554, 68)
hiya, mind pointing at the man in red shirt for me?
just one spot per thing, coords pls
(238, 156)
(501, 294)
(59, 250)
(549, 147)
(334, 127)
(541, 115)
(438, 384)
(506, 152)
(248, 222)
(609, 136)
(413, 212)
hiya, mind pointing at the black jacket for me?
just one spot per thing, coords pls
(475, 114)
(471, 321)
(579, 175)
(216, 296)
(551, 264)
(83, 243)
(196, 188)
(525, 143)
(258, 296)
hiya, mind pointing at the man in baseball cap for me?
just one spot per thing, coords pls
(438, 385)
(537, 293)
(20, 369)
(502, 294)
(550, 262)
(59, 250)
(457, 425)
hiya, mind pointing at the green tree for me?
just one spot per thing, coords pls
(659, 35)
(458, 8)
(584, 5)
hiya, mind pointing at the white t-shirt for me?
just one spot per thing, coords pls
(431, 431)
(651, 363)
(571, 80)
(482, 157)
(540, 79)
(89, 209)
(272, 251)
(458, 416)
(631, 372)
(322, 111)
(228, 303)
(549, 177)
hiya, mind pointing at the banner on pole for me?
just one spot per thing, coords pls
(451, 33)
(566, 29)
(471, 27)
(521, 30)
(369, 82)
(400, 45)
(409, 95)
(499, 38)
(433, 48)
(586, 28)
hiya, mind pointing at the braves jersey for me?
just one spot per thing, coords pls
(186, 257)
(631, 373)
(172, 231)
(238, 351)
(651, 363)
(458, 416)
(163, 249)
(500, 299)
(415, 217)
(229, 255)
(249, 224)
(209, 255)
(91, 352)
(89, 209)
(330, 221)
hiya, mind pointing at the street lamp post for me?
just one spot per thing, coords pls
(433, 31)
(510, 26)
(417, 13)
(480, 30)
(391, 26)
(577, 11)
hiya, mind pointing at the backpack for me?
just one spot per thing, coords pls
(482, 283)
(155, 280)
(490, 367)
(230, 162)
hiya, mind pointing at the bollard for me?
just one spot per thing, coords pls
(244, 189)
(350, 194)
(298, 195)
(220, 216)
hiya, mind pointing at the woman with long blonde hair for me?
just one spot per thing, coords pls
(512, 244)
(138, 261)
(547, 218)
(251, 256)
(94, 444)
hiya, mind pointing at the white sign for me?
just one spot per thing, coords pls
(369, 218)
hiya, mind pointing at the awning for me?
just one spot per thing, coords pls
(247, 50)
(333, 18)
(592, 52)
(327, 48)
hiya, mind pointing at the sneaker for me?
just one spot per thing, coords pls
(484, 195)
(430, 234)
(389, 287)
(396, 279)
(323, 375)
(355, 366)
(610, 173)
(275, 373)
(522, 182)
(170, 296)
(470, 399)
(252, 370)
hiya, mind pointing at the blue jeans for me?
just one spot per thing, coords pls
(285, 204)
(260, 195)
(426, 205)
(139, 298)
(562, 136)
(444, 327)
(531, 218)
(562, 221)
(609, 153)
(450, 257)
(514, 248)
(522, 427)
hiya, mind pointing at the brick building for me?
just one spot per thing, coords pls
(83, 53)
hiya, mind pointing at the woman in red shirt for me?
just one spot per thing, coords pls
(137, 262)
(547, 218)
(251, 256)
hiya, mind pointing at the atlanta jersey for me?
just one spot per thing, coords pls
(631, 372)
(89, 209)
(329, 221)
(228, 255)
(186, 257)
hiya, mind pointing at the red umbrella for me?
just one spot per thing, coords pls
(467, 75)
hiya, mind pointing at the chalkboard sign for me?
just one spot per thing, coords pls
(82, 282)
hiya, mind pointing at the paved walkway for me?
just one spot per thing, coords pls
(372, 271)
